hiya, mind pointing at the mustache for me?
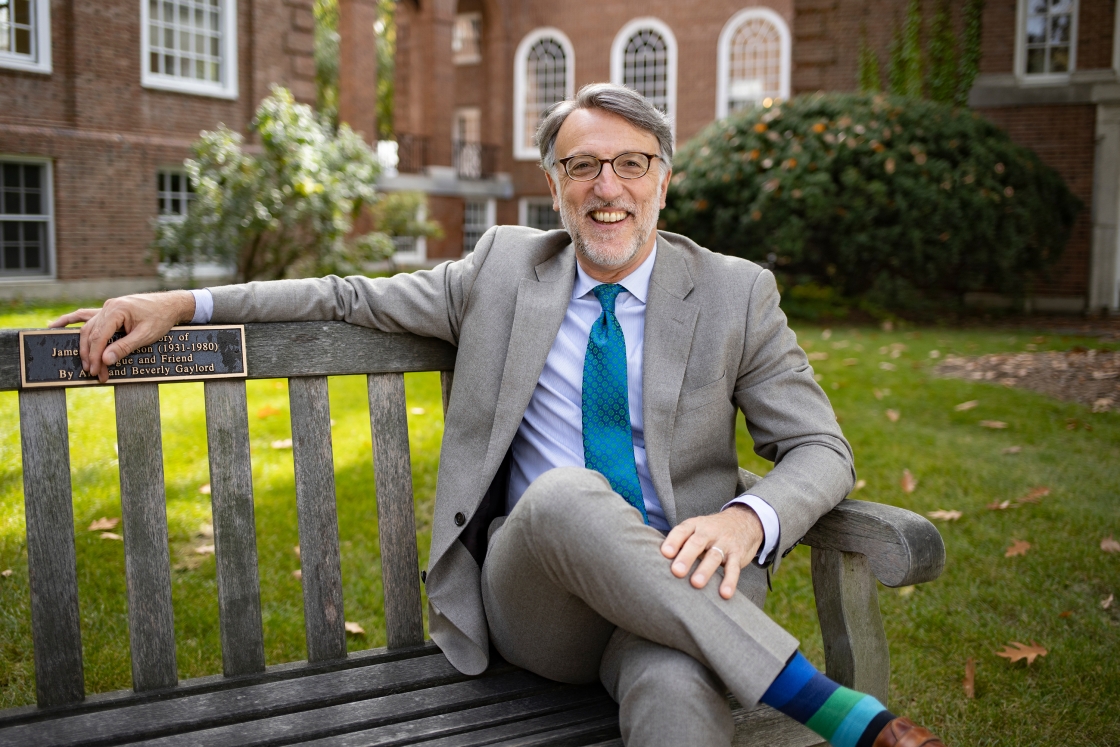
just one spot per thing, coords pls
(593, 204)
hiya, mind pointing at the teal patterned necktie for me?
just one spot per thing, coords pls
(608, 443)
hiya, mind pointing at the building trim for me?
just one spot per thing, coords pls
(520, 60)
(618, 48)
(52, 219)
(40, 61)
(1081, 87)
(723, 54)
(227, 89)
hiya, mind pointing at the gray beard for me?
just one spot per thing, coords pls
(592, 253)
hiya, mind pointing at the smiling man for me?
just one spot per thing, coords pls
(590, 518)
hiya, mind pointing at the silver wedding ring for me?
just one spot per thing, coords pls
(722, 557)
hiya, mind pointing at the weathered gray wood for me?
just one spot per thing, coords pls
(280, 350)
(396, 523)
(903, 547)
(855, 643)
(762, 726)
(161, 717)
(576, 726)
(320, 561)
(235, 533)
(51, 564)
(446, 379)
(147, 561)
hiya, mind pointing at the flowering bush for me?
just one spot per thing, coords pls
(898, 201)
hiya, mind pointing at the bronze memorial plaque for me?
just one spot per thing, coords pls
(50, 357)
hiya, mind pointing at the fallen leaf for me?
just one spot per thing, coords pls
(826, 333)
(298, 574)
(963, 406)
(296, 551)
(1012, 449)
(104, 523)
(6, 572)
(206, 530)
(887, 366)
(878, 393)
(1067, 613)
(970, 678)
(860, 485)
(110, 536)
(905, 591)
(283, 443)
(204, 550)
(850, 361)
(1021, 651)
(1018, 547)
(943, 515)
(993, 424)
(354, 628)
(893, 416)
(1110, 545)
(935, 354)
(818, 356)
(204, 489)
(1035, 495)
(999, 505)
(1104, 404)
(908, 482)
(267, 411)
(417, 410)
(1106, 603)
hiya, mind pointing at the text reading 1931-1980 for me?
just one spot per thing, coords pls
(50, 357)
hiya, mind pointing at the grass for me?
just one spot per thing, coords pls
(982, 601)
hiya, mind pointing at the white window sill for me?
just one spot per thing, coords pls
(25, 64)
(191, 87)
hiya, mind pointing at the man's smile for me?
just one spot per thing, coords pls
(608, 216)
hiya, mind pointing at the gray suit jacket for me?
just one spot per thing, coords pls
(715, 341)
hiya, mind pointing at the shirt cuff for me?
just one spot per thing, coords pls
(203, 306)
(771, 529)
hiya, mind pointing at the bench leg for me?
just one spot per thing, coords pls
(855, 644)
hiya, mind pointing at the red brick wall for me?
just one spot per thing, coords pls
(108, 136)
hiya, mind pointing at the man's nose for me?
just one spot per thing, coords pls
(607, 185)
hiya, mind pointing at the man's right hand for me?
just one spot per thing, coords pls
(145, 318)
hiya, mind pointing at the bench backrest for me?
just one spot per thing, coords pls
(303, 352)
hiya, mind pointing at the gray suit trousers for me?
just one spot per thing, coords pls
(575, 587)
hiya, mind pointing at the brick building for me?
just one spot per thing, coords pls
(473, 77)
(99, 103)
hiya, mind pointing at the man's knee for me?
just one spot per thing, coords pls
(563, 493)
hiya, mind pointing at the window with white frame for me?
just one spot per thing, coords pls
(466, 39)
(1047, 37)
(478, 217)
(644, 58)
(544, 73)
(25, 218)
(753, 62)
(25, 35)
(190, 46)
(175, 194)
(537, 212)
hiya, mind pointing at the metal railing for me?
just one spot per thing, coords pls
(474, 160)
(413, 153)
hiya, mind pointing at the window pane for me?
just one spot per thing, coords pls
(11, 176)
(22, 12)
(23, 41)
(12, 204)
(31, 176)
(1059, 59)
(1059, 30)
(645, 67)
(32, 203)
(11, 232)
(1036, 29)
(31, 233)
(32, 257)
(11, 256)
(1036, 60)
(546, 77)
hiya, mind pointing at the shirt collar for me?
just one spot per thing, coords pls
(636, 283)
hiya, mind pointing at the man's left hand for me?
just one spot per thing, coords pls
(730, 538)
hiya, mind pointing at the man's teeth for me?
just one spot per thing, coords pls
(604, 216)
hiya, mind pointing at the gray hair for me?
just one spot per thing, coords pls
(625, 102)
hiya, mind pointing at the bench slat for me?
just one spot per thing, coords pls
(235, 534)
(396, 524)
(151, 622)
(583, 725)
(320, 561)
(51, 558)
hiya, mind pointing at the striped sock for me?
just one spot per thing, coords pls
(844, 717)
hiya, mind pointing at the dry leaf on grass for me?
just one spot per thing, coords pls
(905, 591)
(999, 505)
(204, 550)
(879, 394)
(1065, 614)
(206, 530)
(298, 574)
(887, 366)
(970, 678)
(1018, 547)
(967, 405)
(110, 536)
(355, 629)
(1110, 545)
(908, 482)
(417, 410)
(1106, 603)
(826, 333)
(860, 485)
(1103, 404)
(204, 489)
(100, 525)
(267, 411)
(993, 424)
(1035, 495)
(6, 572)
(943, 515)
(850, 361)
(893, 415)
(296, 551)
(283, 443)
(1021, 651)
(818, 356)
(1012, 449)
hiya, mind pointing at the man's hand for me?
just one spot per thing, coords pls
(145, 319)
(735, 532)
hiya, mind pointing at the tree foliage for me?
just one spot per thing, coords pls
(898, 201)
(287, 207)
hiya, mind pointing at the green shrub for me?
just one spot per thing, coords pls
(902, 202)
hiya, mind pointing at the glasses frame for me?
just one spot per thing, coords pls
(564, 162)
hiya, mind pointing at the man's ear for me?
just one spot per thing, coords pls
(554, 190)
(665, 187)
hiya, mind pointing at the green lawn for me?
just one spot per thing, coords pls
(983, 601)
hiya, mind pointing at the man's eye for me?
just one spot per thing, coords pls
(581, 166)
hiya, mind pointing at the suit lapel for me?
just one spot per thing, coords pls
(541, 304)
(670, 321)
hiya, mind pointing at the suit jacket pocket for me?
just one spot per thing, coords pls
(704, 395)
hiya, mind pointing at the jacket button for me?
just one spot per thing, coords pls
(460, 520)
(423, 577)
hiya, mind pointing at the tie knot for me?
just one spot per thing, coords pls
(607, 293)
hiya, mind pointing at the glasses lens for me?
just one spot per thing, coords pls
(583, 168)
(631, 165)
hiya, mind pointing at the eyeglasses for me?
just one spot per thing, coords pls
(584, 168)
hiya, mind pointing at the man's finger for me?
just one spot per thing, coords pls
(124, 346)
(707, 568)
(79, 315)
(676, 539)
(693, 548)
(731, 570)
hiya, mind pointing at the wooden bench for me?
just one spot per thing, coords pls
(405, 693)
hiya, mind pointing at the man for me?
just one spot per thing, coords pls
(589, 519)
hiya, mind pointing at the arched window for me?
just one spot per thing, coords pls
(644, 57)
(754, 60)
(544, 73)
